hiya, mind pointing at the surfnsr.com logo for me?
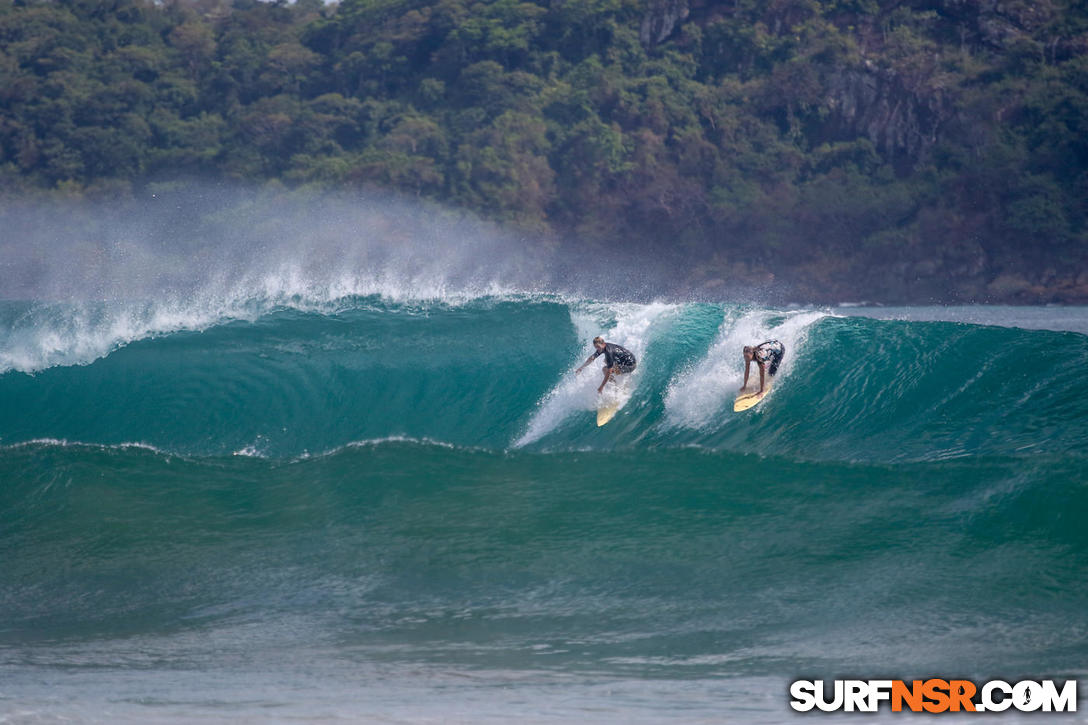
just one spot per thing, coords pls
(934, 695)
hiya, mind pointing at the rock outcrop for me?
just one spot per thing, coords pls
(661, 19)
(902, 118)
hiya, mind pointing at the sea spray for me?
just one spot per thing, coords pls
(698, 394)
(630, 325)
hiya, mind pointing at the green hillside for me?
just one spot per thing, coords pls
(934, 150)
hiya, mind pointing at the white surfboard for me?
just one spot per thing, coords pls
(609, 402)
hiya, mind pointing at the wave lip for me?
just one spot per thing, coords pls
(61, 443)
(36, 336)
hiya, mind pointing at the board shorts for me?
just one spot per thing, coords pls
(771, 353)
(624, 367)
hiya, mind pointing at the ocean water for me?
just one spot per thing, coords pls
(370, 507)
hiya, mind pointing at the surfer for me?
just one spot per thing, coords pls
(617, 360)
(767, 355)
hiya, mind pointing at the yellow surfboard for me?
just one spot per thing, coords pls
(746, 400)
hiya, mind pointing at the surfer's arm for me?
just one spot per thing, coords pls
(761, 370)
(589, 359)
(747, 367)
(607, 375)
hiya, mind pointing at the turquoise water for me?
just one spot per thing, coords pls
(363, 508)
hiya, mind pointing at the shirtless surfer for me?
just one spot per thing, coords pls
(617, 360)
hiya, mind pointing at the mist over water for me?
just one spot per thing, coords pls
(102, 274)
(230, 244)
(329, 458)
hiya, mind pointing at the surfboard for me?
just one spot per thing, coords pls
(746, 400)
(610, 401)
(606, 411)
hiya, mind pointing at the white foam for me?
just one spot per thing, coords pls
(74, 334)
(422, 441)
(628, 324)
(78, 333)
(697, 395)
(256, 449)
(386, 440)
(65, 443)
(105, 276)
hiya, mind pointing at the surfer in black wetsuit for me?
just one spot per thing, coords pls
(767, 355)
(617, 359)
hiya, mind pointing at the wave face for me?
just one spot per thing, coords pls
(424, 482)
(498, 373)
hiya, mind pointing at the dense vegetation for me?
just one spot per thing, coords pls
(857, 149)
